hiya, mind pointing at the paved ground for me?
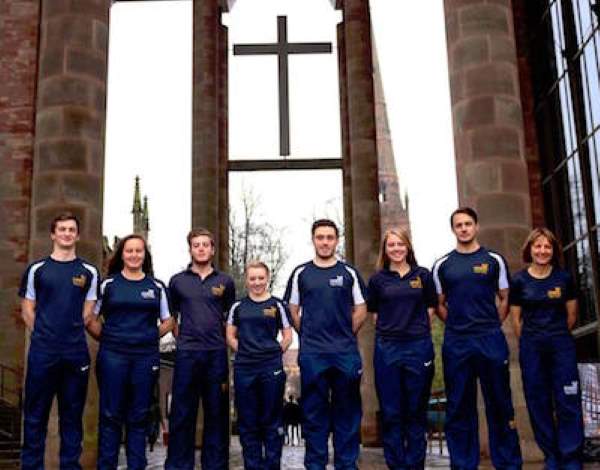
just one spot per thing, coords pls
(370, 459)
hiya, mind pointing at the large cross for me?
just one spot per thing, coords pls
(282, 49)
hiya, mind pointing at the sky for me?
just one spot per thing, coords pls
(149, 119)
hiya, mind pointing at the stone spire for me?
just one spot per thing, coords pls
(146, 218)
(137, 210)
(393, 207)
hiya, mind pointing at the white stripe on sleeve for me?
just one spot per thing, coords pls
(436, 275)
(295, 294)
(231, 311)
(503, 274)
(284, 318)
(92, 293)
(30, 291)
(357, 294)
(103, 285)
(165, 313)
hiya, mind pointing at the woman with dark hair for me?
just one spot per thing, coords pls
(131, 303)
(253, 325)
(543, 306)
(402, 298)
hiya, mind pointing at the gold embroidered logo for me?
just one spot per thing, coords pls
(416, 283)
(555, 293)
(79, 281)
(218, 290)
(481, 268)
(270, 312)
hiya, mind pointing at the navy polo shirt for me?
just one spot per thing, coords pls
(326, 297)
(131, 310)
(470, 282)
(203, 305)
(258, 324)
(543, 301)
(401, 303)
(59, 289)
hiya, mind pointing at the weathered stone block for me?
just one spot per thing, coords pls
(495, 142)
(80, 188)
(514, 177)
(491, 80)
(81, 122)
(67, 30)
(86, 63)
(47, 188)
(67, 154)
(504, 208)
(48, 123)
(503, 50)
(101, 37)
(483, 19)
(62, 90)
(51, 62)
(473, 113)
(473, 50)
(508, 111)
(482, 178)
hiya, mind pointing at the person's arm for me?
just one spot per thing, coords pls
(359, 315)
(572, 310)
(517, 320)
(503, 304)
(374, 318)
(92, 322)
(442, 309)
(165, 326)
(28, 313)
(295, 316)
(431, 314)
(286, 339)
(231, 336)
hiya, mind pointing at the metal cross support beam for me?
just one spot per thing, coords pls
(282, 49)
(292, 164)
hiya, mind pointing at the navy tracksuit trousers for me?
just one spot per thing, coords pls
(403, 376)
(125, 383)
(330, 401)
(49, 374)
(259, 393)
(467, 358)
(551, 384)
(199, 374)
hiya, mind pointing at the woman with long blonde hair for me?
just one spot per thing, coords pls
(402, 298)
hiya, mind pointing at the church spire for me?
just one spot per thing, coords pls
(137, 210)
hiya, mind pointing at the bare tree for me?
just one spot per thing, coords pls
(252, 238)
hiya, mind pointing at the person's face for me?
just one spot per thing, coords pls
(542, 251)
(202, 250)
(325, 242)
(464, 227)
(257, 280)
(65, 234)
(395, 248)
(134, 252)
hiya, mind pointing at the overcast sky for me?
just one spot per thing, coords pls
(149, 118)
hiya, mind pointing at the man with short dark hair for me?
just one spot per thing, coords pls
(58, 296)
(327, 304)
(202, 296)
(468, 280)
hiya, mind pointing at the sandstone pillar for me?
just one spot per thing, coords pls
(206, 134)
(489, 144)
(19, 22)
(359, 104)
(69, 146)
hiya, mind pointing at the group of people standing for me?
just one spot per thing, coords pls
(326, 302)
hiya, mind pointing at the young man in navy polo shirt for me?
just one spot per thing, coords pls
(58, 296)
(326, 298)
(468, 280)
(202, 296)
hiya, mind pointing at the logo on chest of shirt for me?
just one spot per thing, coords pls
(555, 293)
(148, 294)
(218, 290)
(416, 283)
(337, 281)
(80, 280)
(270, 312)
(482, 268)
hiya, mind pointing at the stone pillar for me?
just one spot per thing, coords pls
(19, 23)
(489, 146)
(206, 133)
(223, 108)
(364, 184)
(69, 146)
